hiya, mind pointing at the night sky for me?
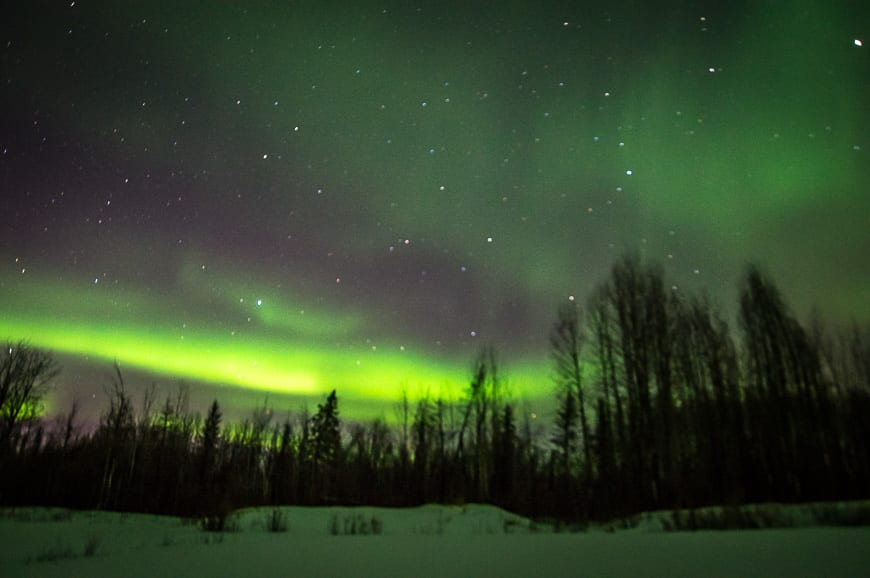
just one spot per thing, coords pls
(288, 199)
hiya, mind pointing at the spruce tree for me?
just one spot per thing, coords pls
(325, 444)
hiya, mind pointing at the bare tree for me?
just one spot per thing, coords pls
(566, 341)
(117, 433)
(25, 373)
(482, 396)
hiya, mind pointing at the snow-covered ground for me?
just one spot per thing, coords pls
(472, 540)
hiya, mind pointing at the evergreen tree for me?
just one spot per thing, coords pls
(209, 448)
(324, 444)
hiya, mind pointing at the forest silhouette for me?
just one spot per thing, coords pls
(660, 405)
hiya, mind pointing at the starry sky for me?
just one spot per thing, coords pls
(281, 199)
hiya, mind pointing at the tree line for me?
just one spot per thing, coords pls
(659, 405)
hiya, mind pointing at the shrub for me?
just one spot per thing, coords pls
(849, 514)
(220, 522)
(214, 538)
(91, 546)
(55, 553)
(728, 518)
(61, 516)
(354, 524)
(276, 521)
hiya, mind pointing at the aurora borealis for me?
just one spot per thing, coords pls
(296, 197)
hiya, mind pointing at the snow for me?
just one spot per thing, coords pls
(472, 540)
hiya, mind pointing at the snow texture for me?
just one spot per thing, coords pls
(471, 540)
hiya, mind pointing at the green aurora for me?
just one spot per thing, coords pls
(283, 200)
(285, 352)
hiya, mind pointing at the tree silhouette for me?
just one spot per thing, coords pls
(566, 341)
(659, 405)
(325, 445)
(208, 455)
(25, 373)
(116, 435)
